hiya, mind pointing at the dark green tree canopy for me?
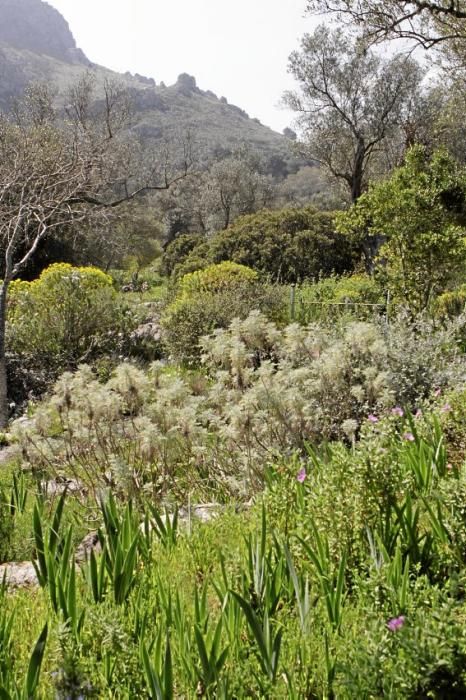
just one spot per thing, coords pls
(287, 245)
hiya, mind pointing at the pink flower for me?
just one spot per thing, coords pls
(437, 392)
(445, 408)
(372, 419)
(396, 623)
(418, 413)
(301, 475)
(409, 437)
(449, 465)
(398, 411)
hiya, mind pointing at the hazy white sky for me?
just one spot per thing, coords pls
(237, 48)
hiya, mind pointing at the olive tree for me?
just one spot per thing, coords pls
(428, 23)
(211, 200)
(350, 103)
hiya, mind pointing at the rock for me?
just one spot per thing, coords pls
(147, 331)
(38, 27)
(203, 512)
(89, 544)
(22, 574)
(19, 574)
(8, 453)
(56, 487)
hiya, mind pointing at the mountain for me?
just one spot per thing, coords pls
(39, 28)
(36, 44)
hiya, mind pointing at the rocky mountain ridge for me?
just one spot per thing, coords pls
(36, 44)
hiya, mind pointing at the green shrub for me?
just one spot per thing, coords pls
(214, 279)
(211, 298)
(178, 250)
(66, 316)
(333, 297)
(453, 422)
(417, 217)
(451, 304)
(287, 245)
(425, 658)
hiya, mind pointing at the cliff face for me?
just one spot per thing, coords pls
(38, 27)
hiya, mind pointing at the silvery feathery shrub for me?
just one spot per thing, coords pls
(424, 354)
(129, 434)
(269, 391)
(276, 390)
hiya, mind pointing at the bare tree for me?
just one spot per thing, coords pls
(234, 186)
(54, 173)
(211, 200)
(428, 23)
(350, 102)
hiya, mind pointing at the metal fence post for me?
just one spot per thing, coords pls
(292, 301)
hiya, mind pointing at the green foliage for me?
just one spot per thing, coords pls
(419, 215)
(178, 250)
(6, 527)
(347, 581)
(287, 245)
(120, 545)
(451, 304)
(358, 296)
(13, 501)
(66, 316)
(211, 298)
(266, 391)
(214, 279)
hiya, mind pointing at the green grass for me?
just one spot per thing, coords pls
(288, 598)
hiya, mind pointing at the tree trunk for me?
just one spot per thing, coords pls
(358, 170)
(370, 248)
(3, 373)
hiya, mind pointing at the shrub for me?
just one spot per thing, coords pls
(268, 391)
(417, 214)
(287, 245)
(451, 304)
(211, 298)
(67, 315)
(424, 355)
(178, 250)
(357, 295)
(215, 278)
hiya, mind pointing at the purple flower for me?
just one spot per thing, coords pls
(409, 437)
(396, 623)
(372, 419)
(418, 413)
(301, 475)
(398, 411)
(437, 392)
(445, 408)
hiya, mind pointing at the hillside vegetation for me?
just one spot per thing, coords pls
(233, 412)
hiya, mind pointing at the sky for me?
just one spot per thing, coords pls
(236, 48)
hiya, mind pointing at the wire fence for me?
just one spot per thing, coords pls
(305, 310)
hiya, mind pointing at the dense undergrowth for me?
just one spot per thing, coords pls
(331, 446)
(344, 579)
